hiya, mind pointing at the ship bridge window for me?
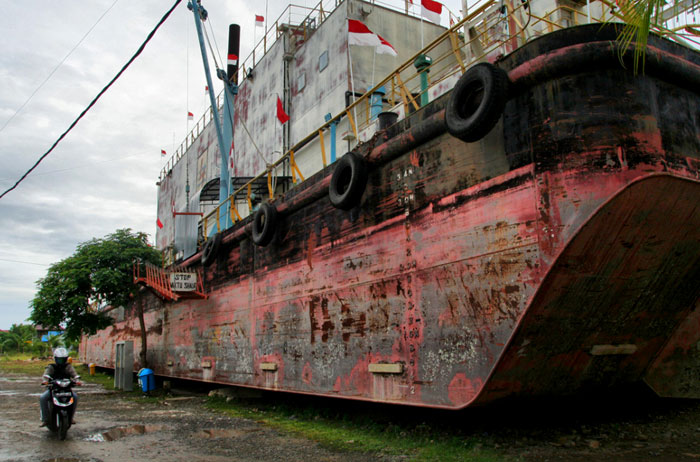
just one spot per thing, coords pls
(323, 61)
(301, 81)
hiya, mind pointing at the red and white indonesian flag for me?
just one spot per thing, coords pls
(359, 34)
(190, 116)
(431, 10)
(232, 60)
(259, 21)
(162, 152)
(385, 48)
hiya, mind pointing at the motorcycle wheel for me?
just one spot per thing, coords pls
(63, 424)
(53, 422)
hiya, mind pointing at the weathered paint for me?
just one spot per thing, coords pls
(485, 269)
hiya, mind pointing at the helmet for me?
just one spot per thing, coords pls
(60, 355)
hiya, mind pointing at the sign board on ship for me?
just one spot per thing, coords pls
(183, 282)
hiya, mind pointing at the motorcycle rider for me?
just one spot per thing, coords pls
(60, 369)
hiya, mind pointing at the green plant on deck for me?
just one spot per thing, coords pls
(640, 17)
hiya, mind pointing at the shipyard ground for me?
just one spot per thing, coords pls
(115, 426)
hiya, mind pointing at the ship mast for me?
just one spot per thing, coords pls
(200, 15)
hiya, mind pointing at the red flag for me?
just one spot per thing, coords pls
(162, 152)
(232, 60)
(281, 115)
(190, 116)
(259, 21)
(431, 10)
(206, 88)
(159, 223)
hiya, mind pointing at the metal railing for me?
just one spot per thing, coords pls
(494, 28)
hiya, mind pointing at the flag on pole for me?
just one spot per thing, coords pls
(232, 60)
(386, 48)
(206, 88)
(259, 21)
(281, 115)
(190, 116)
(162, 152)
(159, 223)
(359, 34)
(431, 10)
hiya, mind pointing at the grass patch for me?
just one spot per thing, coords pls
(360, 431)
(18, 364)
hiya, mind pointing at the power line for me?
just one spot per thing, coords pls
(92, 103)
(25, 262)
(57, 66)
(77, 167)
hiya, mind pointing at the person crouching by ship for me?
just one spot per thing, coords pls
(59, 369)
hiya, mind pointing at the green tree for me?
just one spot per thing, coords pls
(18, 338)
(98, 274)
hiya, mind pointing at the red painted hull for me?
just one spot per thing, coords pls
(484, 270)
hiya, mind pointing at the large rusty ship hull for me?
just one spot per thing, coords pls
(559, 253)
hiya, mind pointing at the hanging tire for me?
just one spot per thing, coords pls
(348, 181)
(211, 248)
(264, 224)
(477, 102)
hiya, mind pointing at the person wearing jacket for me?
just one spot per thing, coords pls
(59, 369)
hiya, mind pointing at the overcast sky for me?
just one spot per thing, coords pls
(102, 176)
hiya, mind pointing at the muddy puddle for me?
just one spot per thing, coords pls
(121, 432)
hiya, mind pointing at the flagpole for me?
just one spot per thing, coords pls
(374, 58)
(421, 31)
(352, 89)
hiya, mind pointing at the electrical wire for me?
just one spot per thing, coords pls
(77, 167)
(94, 101)
(25, 262)
(56, 68)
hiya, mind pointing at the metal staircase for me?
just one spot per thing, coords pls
(159, 280)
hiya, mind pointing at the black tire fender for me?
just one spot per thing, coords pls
(348, 181)
(477, 102)
(210, 249)
(264, 224)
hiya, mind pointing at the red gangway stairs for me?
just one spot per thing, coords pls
(159, 280)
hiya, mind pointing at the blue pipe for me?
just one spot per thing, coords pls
(333, 128)
(376, 101)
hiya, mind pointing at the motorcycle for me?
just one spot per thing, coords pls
(61, 404)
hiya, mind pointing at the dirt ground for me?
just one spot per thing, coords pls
(112, 427)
